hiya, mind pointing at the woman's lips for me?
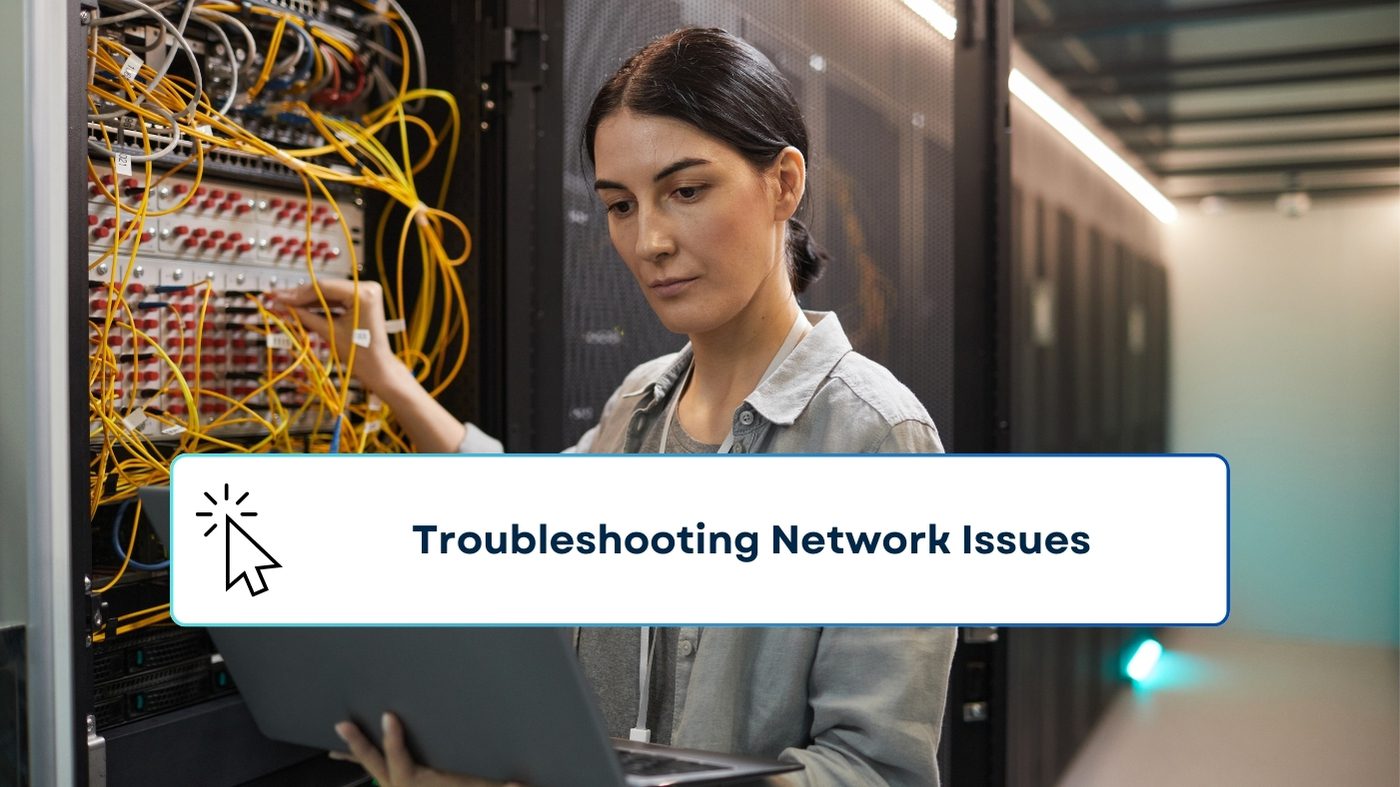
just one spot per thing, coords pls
(670, 287)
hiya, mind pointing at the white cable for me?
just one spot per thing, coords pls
(103, 21)
(219, 16)
(422, 63)
(179, 35)
(290, 64)
(233, 62)
(645, 651)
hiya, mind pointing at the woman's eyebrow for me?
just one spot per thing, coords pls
(668, 170)
(675, 167)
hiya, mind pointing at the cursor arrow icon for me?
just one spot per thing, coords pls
(245, 559)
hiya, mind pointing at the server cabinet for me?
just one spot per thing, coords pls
(155, 706)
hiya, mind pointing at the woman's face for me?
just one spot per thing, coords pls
(698, 227)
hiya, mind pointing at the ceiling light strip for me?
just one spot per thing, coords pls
(1090, 145)
(937, 16)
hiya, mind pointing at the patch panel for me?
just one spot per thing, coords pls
(227, 222)
(188, 281)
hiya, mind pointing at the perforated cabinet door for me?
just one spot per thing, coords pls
(875, 83)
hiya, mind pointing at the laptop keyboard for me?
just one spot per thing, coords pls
(635, 763)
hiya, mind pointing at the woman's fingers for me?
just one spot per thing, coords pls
(333, 290)
(395, 766)
(364, 751)
(314, 322)
(401, 764)
(336, 292)
(294, 296)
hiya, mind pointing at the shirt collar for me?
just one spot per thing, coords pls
(784, 395)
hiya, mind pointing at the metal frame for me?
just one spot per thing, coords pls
(982, 336)
(75, 355)
(522, 159)
(1272, 194)
(1267, 167)
(983, 186)
(1149, 121)
(1109, 88)
(1152, 148)
(1132, 21)
(1106, 88)
(1140, 68)
(57, 738)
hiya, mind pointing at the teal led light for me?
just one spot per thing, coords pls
(1144, 660)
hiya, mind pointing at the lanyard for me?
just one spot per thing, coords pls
(647, 649)
(799, 330)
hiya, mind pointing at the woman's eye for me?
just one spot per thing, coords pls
(688, 192)
(620, 208)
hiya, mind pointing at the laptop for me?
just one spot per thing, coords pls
(496, 703)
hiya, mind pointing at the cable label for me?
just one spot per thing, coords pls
(132, 66)
(134, 419)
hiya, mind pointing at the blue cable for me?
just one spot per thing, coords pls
(303, 69)
(117, 541)
(335, 434)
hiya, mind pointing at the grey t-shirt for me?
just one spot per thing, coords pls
(609, 656)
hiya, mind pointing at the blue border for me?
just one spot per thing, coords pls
(1221, 622)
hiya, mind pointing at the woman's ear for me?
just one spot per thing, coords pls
(791, 171)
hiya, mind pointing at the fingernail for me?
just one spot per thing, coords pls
(340, 731)
(384, 721)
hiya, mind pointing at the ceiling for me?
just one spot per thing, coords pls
(1234, 99)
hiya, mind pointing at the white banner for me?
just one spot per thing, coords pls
(699, 540)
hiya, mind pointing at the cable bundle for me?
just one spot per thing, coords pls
(343, 84)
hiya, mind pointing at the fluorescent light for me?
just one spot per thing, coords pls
(1090, 145)
(1144, 660)
(933, 13)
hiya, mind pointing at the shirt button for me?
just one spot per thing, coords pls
(686, 647)
(746, 418)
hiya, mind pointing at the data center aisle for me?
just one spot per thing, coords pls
(1230, 709)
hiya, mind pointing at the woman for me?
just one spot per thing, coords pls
(700, 155)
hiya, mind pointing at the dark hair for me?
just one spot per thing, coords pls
(724, 87)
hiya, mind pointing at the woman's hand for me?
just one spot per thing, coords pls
(376, 365)
(394, 767)
(430, 427)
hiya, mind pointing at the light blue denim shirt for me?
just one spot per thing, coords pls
(856, 706)
(824, 398)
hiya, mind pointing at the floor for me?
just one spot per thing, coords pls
(1226, 709)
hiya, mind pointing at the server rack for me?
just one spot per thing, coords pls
(215, 741)
(1088, 375)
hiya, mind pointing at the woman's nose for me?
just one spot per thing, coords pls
(654, 239)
